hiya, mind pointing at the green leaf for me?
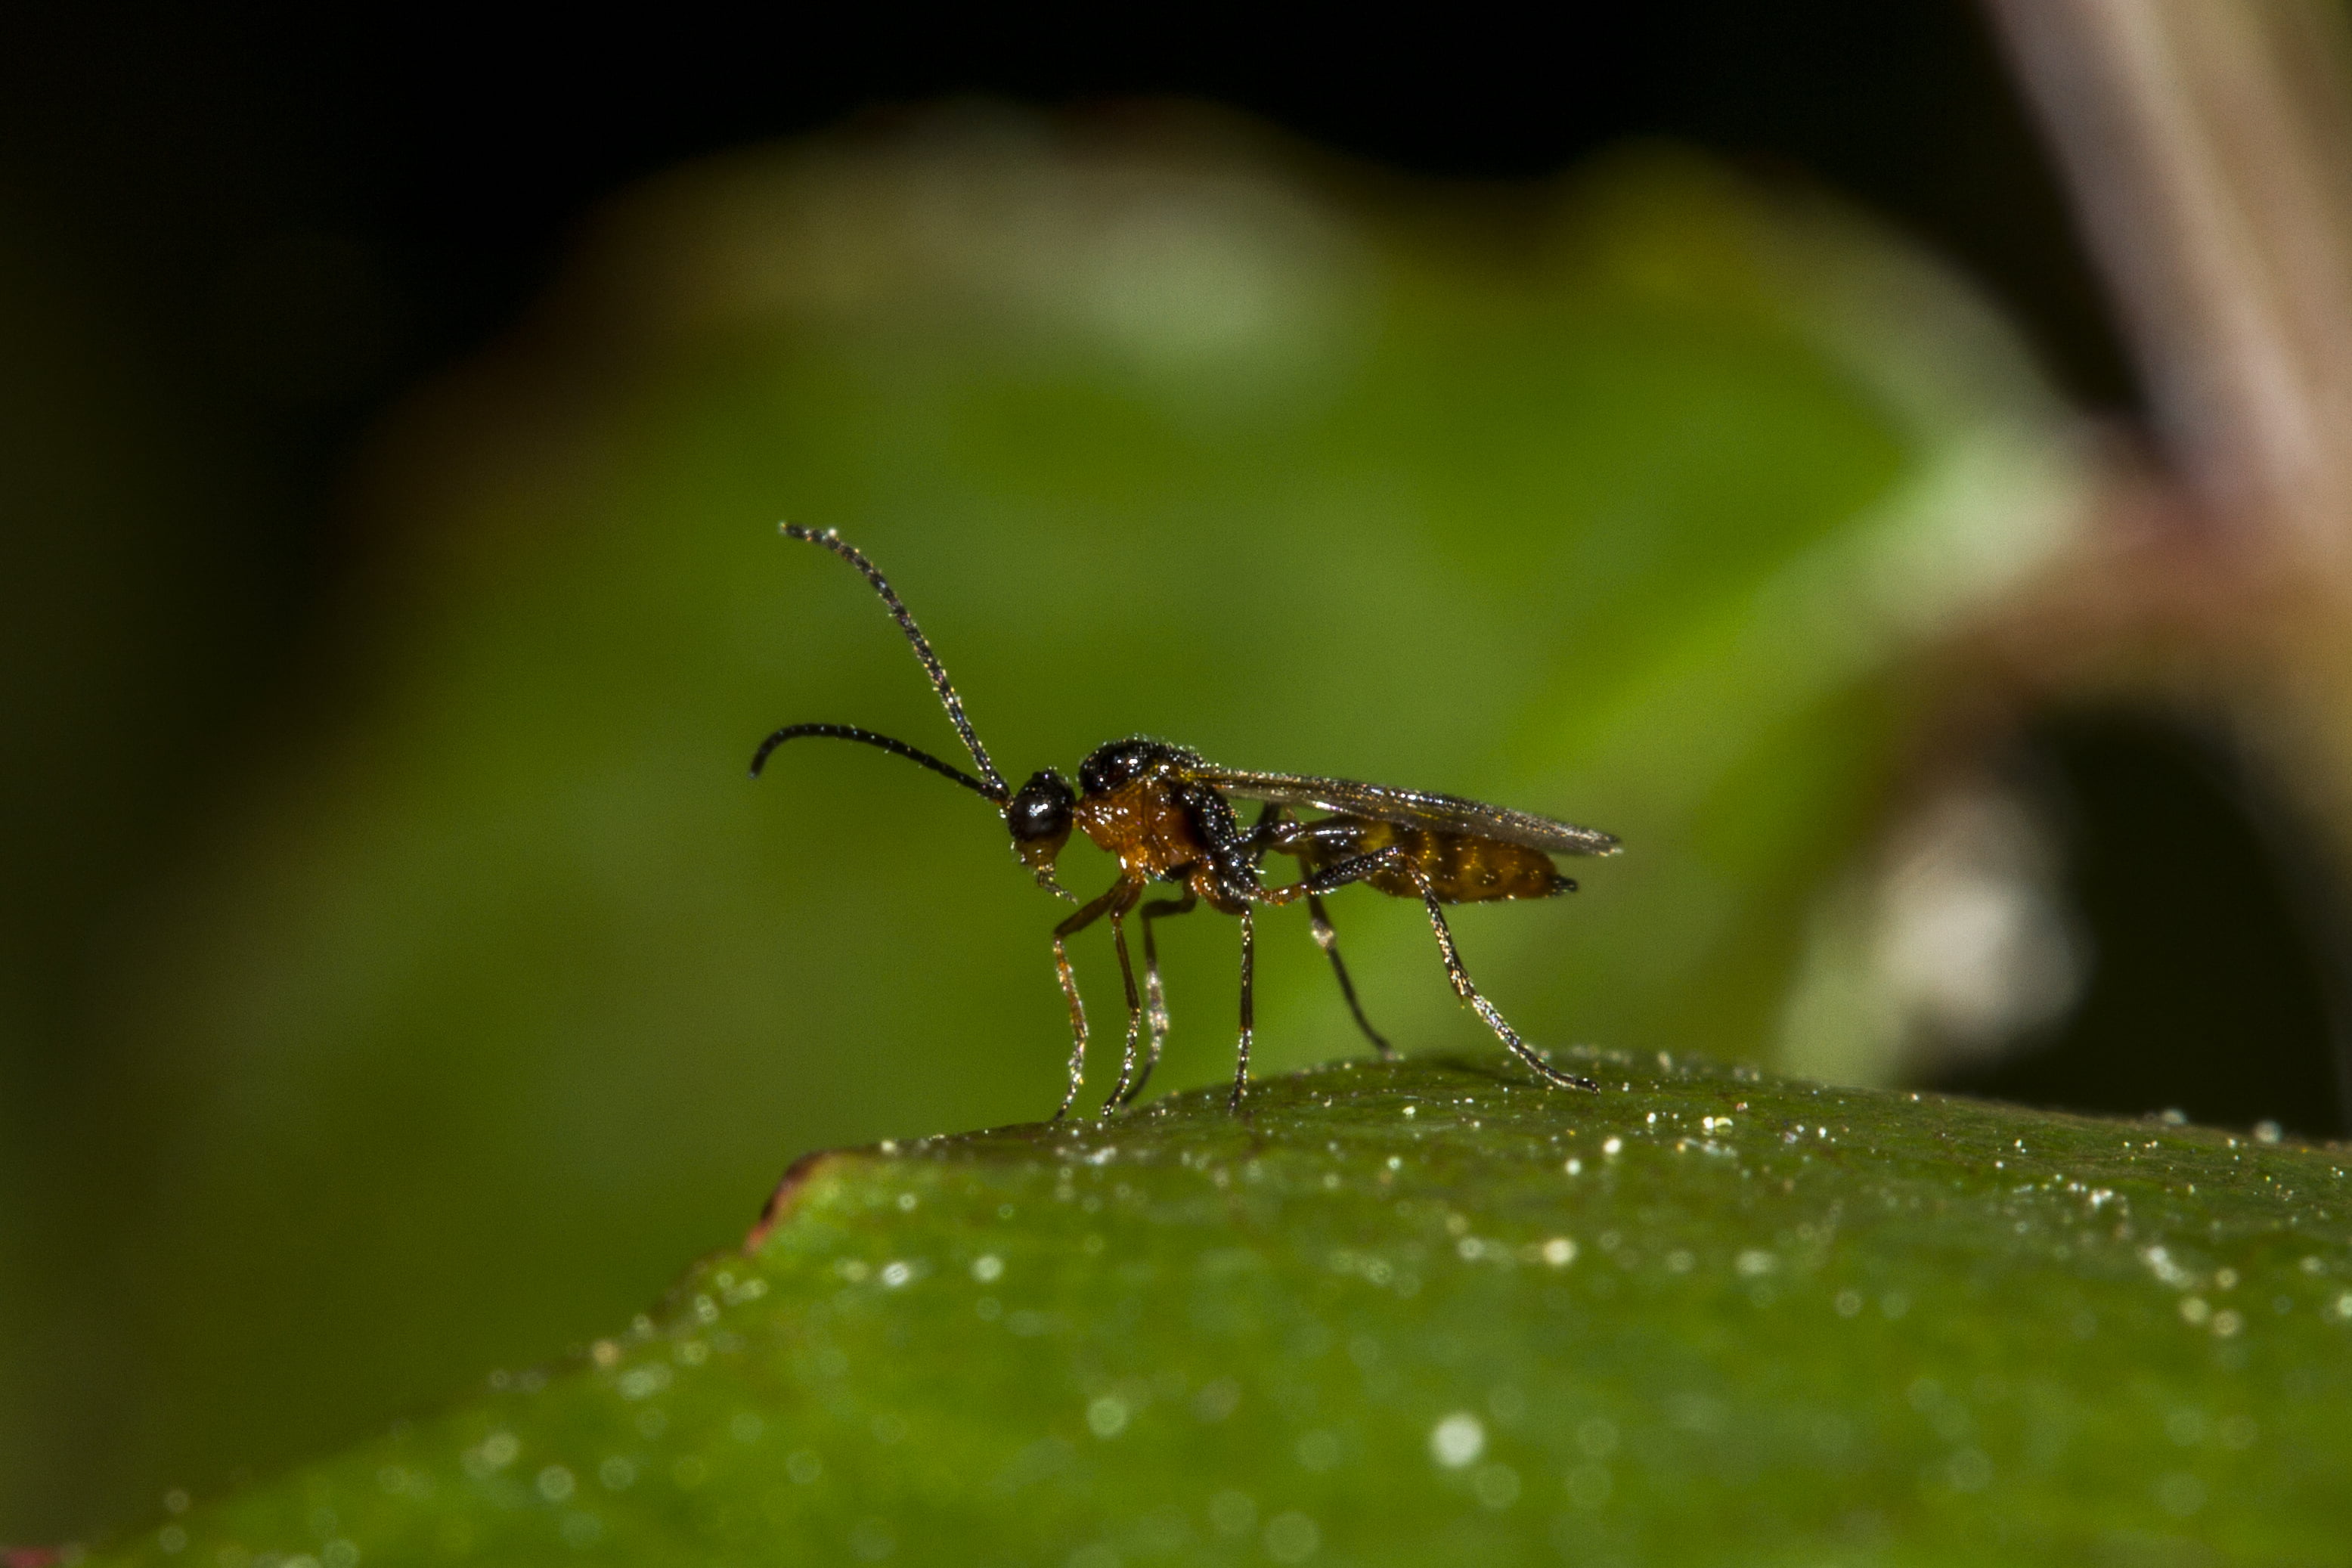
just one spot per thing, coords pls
(1427, 1312)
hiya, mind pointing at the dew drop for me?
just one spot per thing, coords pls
(1457, 1440)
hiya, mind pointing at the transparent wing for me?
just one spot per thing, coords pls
(1409, 808)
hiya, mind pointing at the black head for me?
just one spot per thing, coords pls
(1113, 763)
(1038, 817)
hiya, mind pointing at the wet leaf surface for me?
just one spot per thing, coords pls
(1431, 1312)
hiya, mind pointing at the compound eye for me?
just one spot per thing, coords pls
(1040, 809)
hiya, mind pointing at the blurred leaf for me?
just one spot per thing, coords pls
(1428, 1312)
(1626, 501)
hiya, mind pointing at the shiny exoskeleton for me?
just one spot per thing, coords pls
(1166, 815)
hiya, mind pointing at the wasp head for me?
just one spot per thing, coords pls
(1039, 818)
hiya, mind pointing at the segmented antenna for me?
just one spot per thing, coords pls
(997, 790)
(869, 738)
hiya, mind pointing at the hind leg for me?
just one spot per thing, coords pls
(1320, 926)
(1356, 869)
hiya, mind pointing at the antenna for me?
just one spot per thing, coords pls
(997, 790)
(881, 742)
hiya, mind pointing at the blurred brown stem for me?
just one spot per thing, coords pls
(2207, 148)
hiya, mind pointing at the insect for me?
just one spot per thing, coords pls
(1168, 815)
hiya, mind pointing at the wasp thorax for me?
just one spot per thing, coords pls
(1110, 766)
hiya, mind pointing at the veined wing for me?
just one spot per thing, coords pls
(1409, 808)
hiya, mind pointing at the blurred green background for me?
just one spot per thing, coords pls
(401, 978)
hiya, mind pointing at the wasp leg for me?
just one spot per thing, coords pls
(1319, 926)
(1249, 1008)
(1119, 1091)
(1155, 1002)
(1355, 869)
(1113, 902)
(1265, 833)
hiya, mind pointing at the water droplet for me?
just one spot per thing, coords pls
(642, 1381)
(1292, 1537)
(1217, 1400)
(1615, 1147)
(1755, 1262)
(617, 1473)
(1457, 1440)
(803, 1466)
(1848, 1303)
(1559, 1251)
(2181, 1494)
(2268, 1132)
(1107, 1416)
(555, 1483)
(1969, 1471)
(895, 1274)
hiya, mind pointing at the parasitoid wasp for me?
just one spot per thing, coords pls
(1168, 815)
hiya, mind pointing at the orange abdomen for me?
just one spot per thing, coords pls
(1462, 869)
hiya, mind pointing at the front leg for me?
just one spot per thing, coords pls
(1121, 894)
(1155, 1002)
(1249, 1008)
(1119, 1091)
